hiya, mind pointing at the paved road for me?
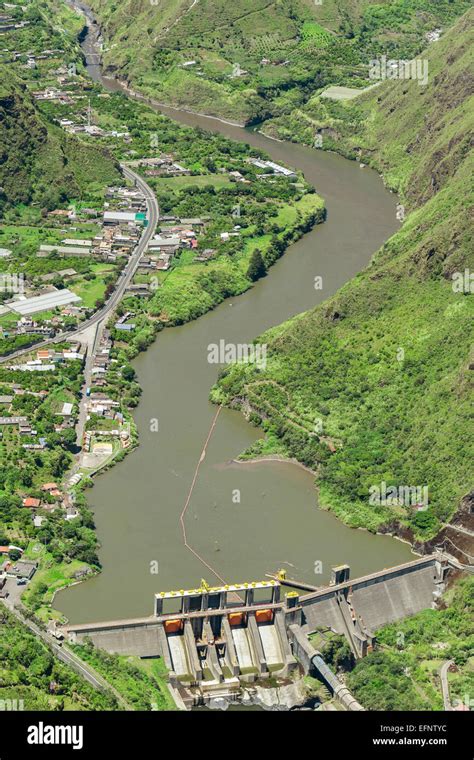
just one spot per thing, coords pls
(65, 655)
(124, 279)
(82, 414)
(443, 673)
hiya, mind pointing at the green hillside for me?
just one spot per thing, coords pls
(39, 163)
(264, 59)
(375, 385)
(402, 673)
(33, 679)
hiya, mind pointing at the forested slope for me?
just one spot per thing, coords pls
(38, 162)
(253, 60)
(380, 375)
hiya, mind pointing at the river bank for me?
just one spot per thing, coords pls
(176, 378)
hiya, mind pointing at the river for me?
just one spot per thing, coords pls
(277, 523)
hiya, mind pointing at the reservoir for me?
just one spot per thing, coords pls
(137, 504)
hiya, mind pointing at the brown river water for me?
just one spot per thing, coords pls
(277, 523)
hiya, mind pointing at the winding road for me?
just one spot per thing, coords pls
(62, 652)
(124, 279)
(98, 319)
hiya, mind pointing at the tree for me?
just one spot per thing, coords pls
(68, 438)
(256, 267)
(337, 653)
(128, 373)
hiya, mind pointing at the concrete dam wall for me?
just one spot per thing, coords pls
(223, 637)
(355, 609)
(140, 637)
(377, 599)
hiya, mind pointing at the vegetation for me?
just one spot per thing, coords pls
(337, 653)
(62, 547)
(360, 389)
(256, 267)
(269, 214)
(141, 683)
(30, 675)
(403, 672)
(263, 60)
(373, 386)
(38, 163)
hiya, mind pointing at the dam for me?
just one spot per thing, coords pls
(215, 639)
(137, 504)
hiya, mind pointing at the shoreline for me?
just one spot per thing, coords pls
(291, 460)
(275, 458)
(128, 91)
(150, 102)
(92, 21)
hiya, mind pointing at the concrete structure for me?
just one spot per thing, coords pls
(20, 569)
(77, 242)
(217, 637)
(45, 302)
(276, 168)
(115, 217)
(313, 663)
(357, 608)
(67, 250)
(164, 241)
(13, 420)
(217, 597)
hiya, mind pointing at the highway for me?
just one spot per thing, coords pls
(124, 281)
(67, 656)
(63, 653)
(125, 277)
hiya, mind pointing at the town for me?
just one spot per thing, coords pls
(206, 374)
(87, 283)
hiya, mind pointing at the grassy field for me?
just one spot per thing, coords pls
(90, 292)
(171, 183)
